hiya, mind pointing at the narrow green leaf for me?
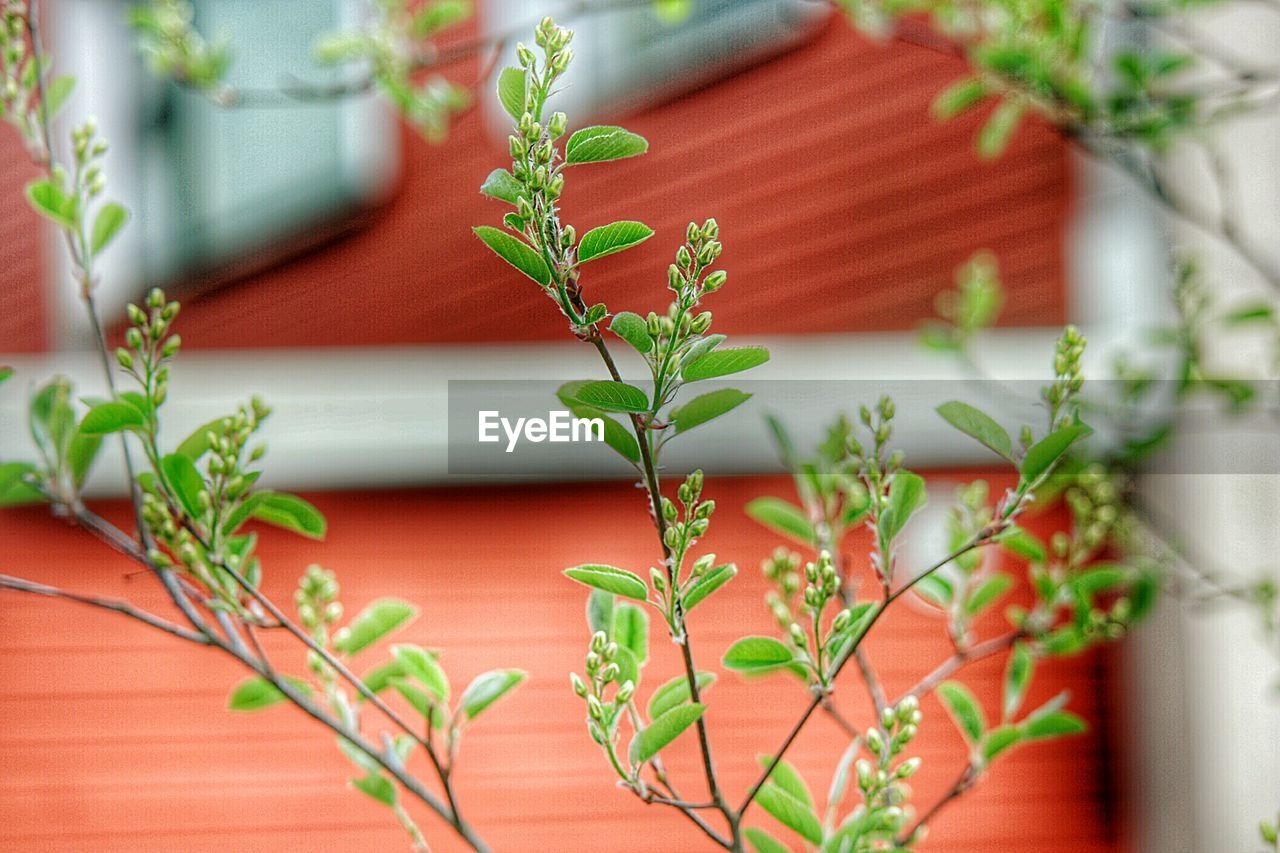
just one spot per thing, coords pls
(602, 143)
(632, 329)
(111, 417)
(515, 252)
(380, 677)
(184, 481)
(418, 663)
(958, 97)
(650, 740)
(1017, 676)
(676, 692)
(716, 577)
(611, 239)
(377, 787)
(56, 94)
(197, 444)
(790, 812)
(426, 704)
(502, 185)
(600, 606)
(936, 589)
(376, 621)
(1044, 454)
(631, 630)
(786, 777)
(996, 133)
(978, 424)
(757, 655)
(907, 494)
(1054, 724)
(14, 490)
(619, 437)
(81, 455)
(1251, 313)
(763, 842)
(511, 91)
(611, 396)
(610, 579)
(782, 517)
(706, 407)
(1023, 543)
(48, 200)
(998, 740)
(487, 689)
(722, 362)
(106, 225)
(290, 512)
(256, 693)
(1100, 579)
(964, 709)
(987, 592)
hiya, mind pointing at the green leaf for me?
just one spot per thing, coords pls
(376, 621)
(715, 578)
(1100, 579)
(515, 252)
(1251, 313)
(611, 396)
(987, 592)
(1044, 454)
(1053, 724)
(380, 677)
(14, 490)
(601, 143)
(184, 481)
(672, 11)
(81, 455)
(600, 605)
(256, 693)
(722, 362)
(106, 225)
(790, 812)
(288, 511)
(611, 239)
(420, 664)
(757, 655)
(935, 589)
(502, 185)
(5, 372)
(377, 787)
(907, 494)
(1017, 676)
(511, 91)
(427, 705)
(487, 689)
(441, 14)
(958, 97)
(996, 133)
(998, 740)
(782, 517)
(111, 417)
(650, 740)
(763, 842)
(632, 329)
(676, 692)
(979, 425)
(631, 630)
(786, 777)
(48, 200)
(610, 579)
(56, 94)
(197, 444)
(706, 407)
(1023, 543)
(964, 709)
(617, 436)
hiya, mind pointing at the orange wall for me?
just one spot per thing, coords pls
(116, 737)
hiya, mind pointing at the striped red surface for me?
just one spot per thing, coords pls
(116, 738)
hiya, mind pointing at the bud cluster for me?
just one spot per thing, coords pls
(19, 94)
(603, 712)
(149, 347)
(682, 526)
(1068, 377)
(174, 49)
(883, 813)
(318, 610)
(782, 568)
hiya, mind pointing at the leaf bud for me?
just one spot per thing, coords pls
(595, 709)
(711, 229)
(701, 323)
(517, 147)
(699, 527)
(842, 621)
(669, 511)
(598, 641)
(683, 258)
(610, 672)
(715, 281)
(705, 509)
(887, 718)
(172, 346)
(658, 580)
(797, 635)
(875, 741)
(556, 186)
(524, 56)
(579, 686)
(136, 315)
(123, 358)
(557, 125)
(568, 236)
(709, 252)
(693, 234)
(155, 298)
(908, 768)
(671, 537)
(133, 338)
(626, 691)
(703, 564)
(674, 278)
(653, 325)
(863, 770)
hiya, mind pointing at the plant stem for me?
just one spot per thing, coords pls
(115, 605)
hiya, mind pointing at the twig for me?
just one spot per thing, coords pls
(124, 608)
(966, 781)
(972, 654)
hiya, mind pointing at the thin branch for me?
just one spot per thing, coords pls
(972, 654)
(968, 777)
(124, 608)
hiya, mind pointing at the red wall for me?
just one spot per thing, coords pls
(116, 737)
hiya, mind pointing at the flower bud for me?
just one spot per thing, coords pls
(715, 281)
(524, 56)
(579, 686)
(557, 125)
(683, 258)
(797, 636)
(908, 768)
(123, 358)
(701, 323)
